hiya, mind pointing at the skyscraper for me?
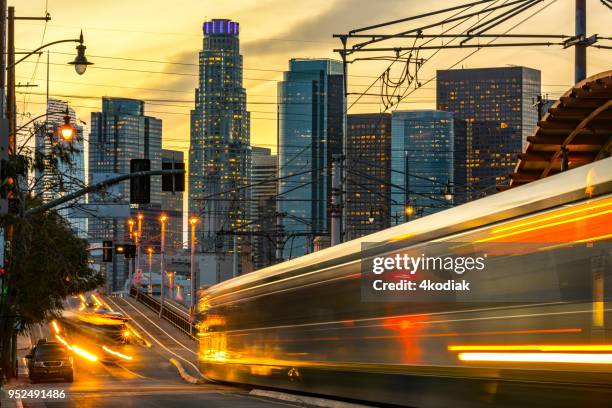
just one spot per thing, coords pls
(263, 196)
(119, 133)
(497, 104)
(172, 205)
(220, 152)
(368, 173)
(310, 107)
(425, 146)
(52, 181)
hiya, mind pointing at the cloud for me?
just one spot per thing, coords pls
(316, 31)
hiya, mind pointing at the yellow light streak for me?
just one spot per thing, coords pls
(535, 220)
(116, 353)
(552, 224)
(82, 307)
(574, 358)
(96, 300)
(55, 327)
(64, 342)
(84, 353)
(82, 298)
(593, 239)
(534, 347)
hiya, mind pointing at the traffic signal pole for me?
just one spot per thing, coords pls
(96, 187)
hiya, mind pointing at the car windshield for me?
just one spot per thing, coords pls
(51, 353)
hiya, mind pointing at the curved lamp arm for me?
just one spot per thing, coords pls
(78, 40)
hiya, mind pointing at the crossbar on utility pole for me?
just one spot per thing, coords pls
(98, 186)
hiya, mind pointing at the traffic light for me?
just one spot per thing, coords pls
(140, 187)
(107, 251)
(173, 182)
(127, 250)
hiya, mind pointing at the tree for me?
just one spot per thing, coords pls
(47, 263)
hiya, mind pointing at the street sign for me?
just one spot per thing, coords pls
(138, 276)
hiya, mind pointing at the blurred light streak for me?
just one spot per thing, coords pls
(539, 227)
(116, 353)
(592, 239)
(64, 342)
(82, 298)
(583, 358)
(94, 297)
(84, 353)
(535, 220)
(55, 327)
(402, 237)
(82, 307)
(534, 347)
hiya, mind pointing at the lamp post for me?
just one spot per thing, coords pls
(192, 292)
(131, 225)
(150, 288)
(140, 217)
(162, 267)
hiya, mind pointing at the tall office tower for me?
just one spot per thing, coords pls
(497, 103)
(368, 173)
(310, 107)
(425, 145)
(220, 152)
(263, 208)
(119, 133)
(172, 206)
(52, 181)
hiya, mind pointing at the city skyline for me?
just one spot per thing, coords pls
(306, 32)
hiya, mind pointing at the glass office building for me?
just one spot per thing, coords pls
(368, 171)
(220, 152)
(119, 133)
(52, 181)
(310, 107)
(497, 104)
(425, 145)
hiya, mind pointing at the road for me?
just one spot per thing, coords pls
(148, 380)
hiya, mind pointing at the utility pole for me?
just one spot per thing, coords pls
(580, 47)
(2, 58)
(336, 206)
(279, 237)
(235, 257)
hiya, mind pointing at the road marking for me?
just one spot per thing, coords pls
(165, 332)
(157, 341)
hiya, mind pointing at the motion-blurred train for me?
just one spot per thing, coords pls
(303, 325)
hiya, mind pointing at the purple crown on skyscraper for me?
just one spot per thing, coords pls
(221, 27)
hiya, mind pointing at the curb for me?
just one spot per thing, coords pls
(304, 400)
(183, 373)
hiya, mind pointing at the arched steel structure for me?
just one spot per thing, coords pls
(576, 130)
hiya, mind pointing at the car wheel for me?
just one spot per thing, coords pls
(33, 380)
(70, 378)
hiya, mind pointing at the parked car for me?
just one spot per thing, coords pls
(49, 359)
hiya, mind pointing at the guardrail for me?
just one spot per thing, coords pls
(172, 313)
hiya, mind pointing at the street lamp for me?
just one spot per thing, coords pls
(80, 61)
(192, 221)
(162, 268)
(448, 194)
(131, 225)
(150, 252)
(66, 131)
(409, 209)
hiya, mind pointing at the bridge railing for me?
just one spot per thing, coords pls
(172, 313)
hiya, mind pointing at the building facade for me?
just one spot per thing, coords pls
(220, 152)
(263, 196)
(172, 206)
(368, 173)
(310, 108)
(425, 147)
(65, 176)
(497, 104)
(119, 133)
